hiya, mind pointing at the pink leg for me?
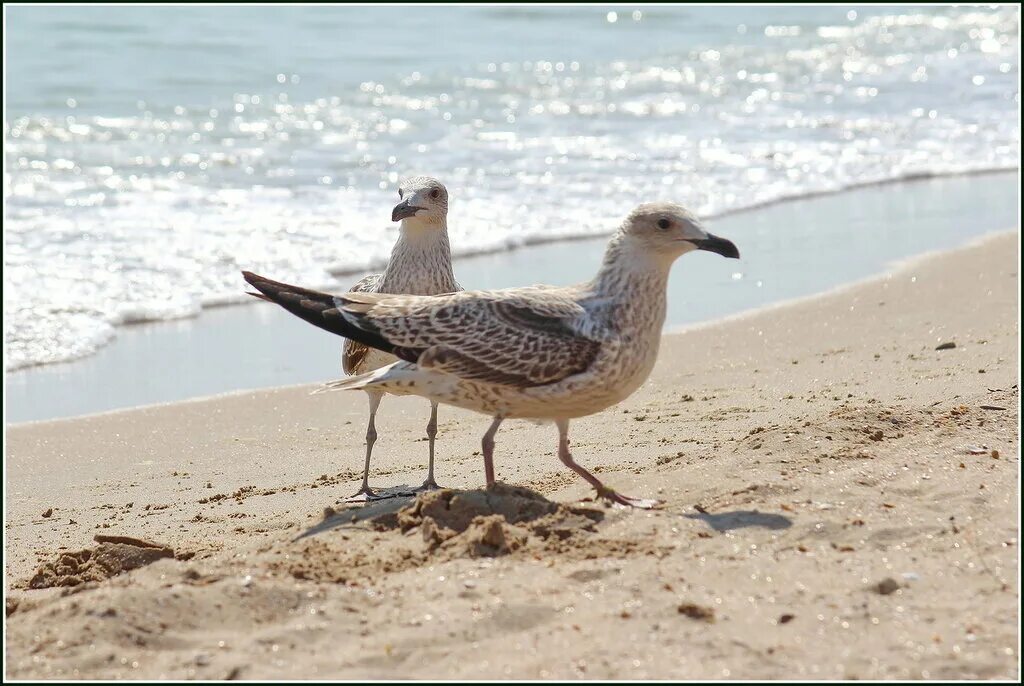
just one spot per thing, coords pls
(602, 491)
(488, 447)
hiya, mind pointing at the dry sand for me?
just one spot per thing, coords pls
(842, 502)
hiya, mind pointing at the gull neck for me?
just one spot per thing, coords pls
(421, 261)
(628, 269)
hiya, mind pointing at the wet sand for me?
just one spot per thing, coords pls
(841, 502)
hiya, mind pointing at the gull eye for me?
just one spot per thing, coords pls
(664, 223)
(435, 194)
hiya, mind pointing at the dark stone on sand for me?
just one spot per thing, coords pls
(695, 611)
(886, 586)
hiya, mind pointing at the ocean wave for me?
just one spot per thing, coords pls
(89, 330)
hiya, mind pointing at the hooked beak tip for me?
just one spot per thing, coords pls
(721, 246)
(403, 210)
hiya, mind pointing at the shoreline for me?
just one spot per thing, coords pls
(848, 475)
(893, 270)
(223, 300)
(226, 349)
(896, 267)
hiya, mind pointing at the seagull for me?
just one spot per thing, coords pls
(420, 264)
(539, 352)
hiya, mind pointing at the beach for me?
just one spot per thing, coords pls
(841, 501)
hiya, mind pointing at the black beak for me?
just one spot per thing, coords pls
(722, 246)
(403, 210)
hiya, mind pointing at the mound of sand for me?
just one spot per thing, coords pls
(492, 522)
(114, 555)
(451, 524)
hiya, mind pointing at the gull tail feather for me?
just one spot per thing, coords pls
(322, 310)
(397, 378)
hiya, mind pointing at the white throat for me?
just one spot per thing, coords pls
(421, 261)
(628, 265)
(423, 224)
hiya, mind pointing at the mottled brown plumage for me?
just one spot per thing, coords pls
(353, 353)
(457, 336)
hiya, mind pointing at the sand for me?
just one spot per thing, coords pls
(841, 502)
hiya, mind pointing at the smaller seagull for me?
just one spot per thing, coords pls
(420, 264)
(541, 353)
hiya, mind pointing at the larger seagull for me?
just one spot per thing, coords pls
(540, 353)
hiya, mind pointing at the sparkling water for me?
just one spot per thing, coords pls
(153, 152)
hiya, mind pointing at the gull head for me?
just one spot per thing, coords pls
(670, 230)
(424, 200)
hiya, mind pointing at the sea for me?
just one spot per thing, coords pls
(151, 153)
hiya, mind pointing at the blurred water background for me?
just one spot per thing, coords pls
(152, 152)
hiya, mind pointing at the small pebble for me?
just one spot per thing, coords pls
(695, 611)
(49, 511)
(886, 586)
(946, 346)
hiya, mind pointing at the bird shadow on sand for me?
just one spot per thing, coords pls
(353, 514)
(458, 510)
(742, 519)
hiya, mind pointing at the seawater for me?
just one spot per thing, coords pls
(153, 152)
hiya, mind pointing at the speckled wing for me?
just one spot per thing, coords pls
(522, 338)
(352, 353)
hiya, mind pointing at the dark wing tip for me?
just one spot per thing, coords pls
(258, 282)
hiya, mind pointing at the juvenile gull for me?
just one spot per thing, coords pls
(540, 353)
(420, 264)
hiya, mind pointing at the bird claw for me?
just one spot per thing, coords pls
(624, 500)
